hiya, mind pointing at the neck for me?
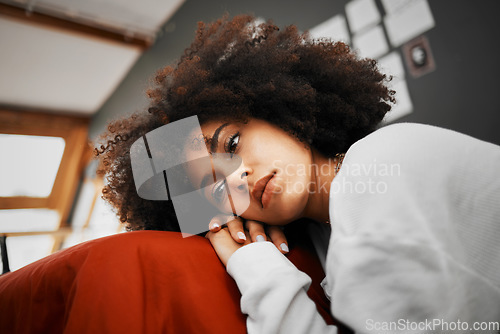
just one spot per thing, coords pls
(317, 207)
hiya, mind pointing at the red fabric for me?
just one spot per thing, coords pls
(137, 282)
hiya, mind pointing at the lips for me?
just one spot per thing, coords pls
(260, 186)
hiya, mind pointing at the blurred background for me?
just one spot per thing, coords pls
(68, 67)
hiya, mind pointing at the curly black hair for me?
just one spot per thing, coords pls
(235, 69)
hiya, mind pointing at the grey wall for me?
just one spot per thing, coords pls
(461, 94)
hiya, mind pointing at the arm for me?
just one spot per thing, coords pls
(274, 291)
(404, 284)
(406, 253)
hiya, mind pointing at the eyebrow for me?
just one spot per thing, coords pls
(214, 141)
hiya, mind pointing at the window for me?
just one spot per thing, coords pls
(42, 158)
(29, 164)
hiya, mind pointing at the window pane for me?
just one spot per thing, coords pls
(26, 249)
(83, 205)
(28, 220)
(103, 222)
(29, 164)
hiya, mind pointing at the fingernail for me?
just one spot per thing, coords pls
(260, 238)
(214, 226)
(241, 235)
(284, 247)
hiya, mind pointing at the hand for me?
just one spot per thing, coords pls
(253, 231)
(224, 244)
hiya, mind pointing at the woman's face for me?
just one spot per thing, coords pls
(275, 170)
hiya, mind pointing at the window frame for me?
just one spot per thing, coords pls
(76, 155)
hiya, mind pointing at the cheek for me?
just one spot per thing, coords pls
(296, 167)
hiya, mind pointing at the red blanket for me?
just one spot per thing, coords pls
(137, 282)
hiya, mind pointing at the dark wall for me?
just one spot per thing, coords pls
(461, 94)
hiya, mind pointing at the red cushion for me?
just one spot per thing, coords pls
(137, 282)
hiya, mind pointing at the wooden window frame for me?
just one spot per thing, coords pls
(77, 154)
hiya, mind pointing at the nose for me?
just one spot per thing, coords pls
(237, 180)
(232, 168)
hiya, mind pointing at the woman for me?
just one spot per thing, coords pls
(413, 209)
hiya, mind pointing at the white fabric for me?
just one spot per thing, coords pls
(419, 250)
(320, 236)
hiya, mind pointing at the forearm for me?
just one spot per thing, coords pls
(274, 292)
(406, 286)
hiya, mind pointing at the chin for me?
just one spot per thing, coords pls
(286, 215)
(282, 211)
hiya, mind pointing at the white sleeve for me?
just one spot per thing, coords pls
(274, 292)
(398, 286)
(400, 254)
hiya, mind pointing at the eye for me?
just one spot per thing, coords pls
(219, 190)
(232, 143)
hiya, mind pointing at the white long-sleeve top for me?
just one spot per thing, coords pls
(415, 242)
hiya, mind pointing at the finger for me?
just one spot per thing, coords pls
(256, 230)
(278, 238)
(235, 227)
(216, 223)
(223, 244)
(217, 236)
(248, 240)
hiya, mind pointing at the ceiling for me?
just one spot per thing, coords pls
(46, 65)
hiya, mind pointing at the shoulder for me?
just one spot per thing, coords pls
(417, 142)
(405, 136)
